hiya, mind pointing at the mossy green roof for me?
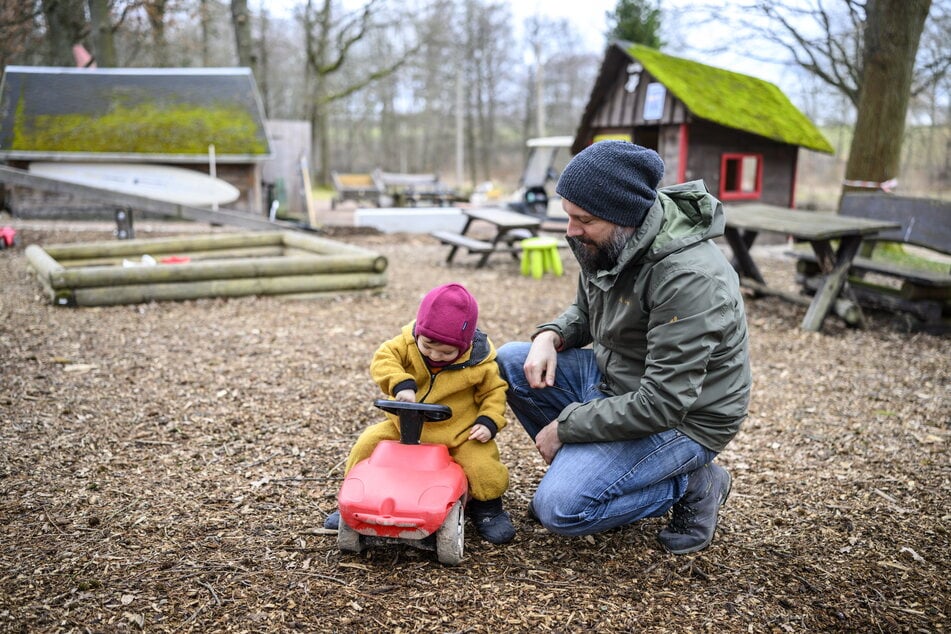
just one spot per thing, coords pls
(731, 99)
(131, 112)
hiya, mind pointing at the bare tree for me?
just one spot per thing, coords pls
(100, 34)
(554, 45)
(66, 26)
(241, 19)
(865, 49)
(931, 105)
(261, 62)
(488, 70)
(570, 73)
(17, 33)
(538, 32)
(155, 12)
(206, 27)
(436, 85)
(328, 43)
(892, 34)
(828, 39)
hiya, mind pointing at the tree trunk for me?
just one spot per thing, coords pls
(65, 23)
(155, 10)
(261, 63)
(322, 131)
(321, 119)
(207, 28)
(241, 19)
(103, 43)
(892, 34)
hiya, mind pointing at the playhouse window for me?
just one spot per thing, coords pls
(741, 176)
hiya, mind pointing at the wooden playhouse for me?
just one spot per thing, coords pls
(740, 134)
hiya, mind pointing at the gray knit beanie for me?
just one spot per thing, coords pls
(613, 180)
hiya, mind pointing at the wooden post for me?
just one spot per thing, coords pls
(124, 228)
(308, 193)
(836, 270)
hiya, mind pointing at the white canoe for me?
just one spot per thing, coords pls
(160, 182)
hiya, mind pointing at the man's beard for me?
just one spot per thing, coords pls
(594, 257)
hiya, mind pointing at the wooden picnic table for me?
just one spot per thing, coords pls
(509, 226)
(745, 222)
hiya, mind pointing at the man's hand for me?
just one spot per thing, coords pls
(547, 443)
(542, 360)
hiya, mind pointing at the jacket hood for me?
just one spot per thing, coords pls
(481, 349)
(681, 216)
(690, 215)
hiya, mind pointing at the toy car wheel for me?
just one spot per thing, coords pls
(348, 539)
(450, 537)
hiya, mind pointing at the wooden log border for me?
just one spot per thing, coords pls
(226, 265)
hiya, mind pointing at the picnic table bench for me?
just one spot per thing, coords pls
(357, 187)
(510, 226)
(745, 222)
(408, 190)
(923, 294)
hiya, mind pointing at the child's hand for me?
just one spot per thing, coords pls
(407, 396)
(480, 433)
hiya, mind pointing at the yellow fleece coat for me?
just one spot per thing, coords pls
(471, 386)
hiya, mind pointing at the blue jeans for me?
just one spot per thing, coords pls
(592, 487)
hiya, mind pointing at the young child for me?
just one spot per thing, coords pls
(442, 358)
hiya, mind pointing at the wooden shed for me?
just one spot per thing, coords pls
(740, 134)
(210, 120)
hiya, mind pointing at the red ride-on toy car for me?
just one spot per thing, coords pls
(406, 492)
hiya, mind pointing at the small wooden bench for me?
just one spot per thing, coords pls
(357, 187)
(922, 293)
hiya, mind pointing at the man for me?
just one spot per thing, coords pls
(630, 426)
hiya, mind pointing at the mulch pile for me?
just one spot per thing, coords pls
(167, 467)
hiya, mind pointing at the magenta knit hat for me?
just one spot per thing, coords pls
(448, 314)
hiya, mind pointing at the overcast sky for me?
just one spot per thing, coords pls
(588, 17)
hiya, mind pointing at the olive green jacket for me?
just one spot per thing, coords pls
(471, 386)
(668, 328)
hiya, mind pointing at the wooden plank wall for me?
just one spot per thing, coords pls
(708, 142)
(289, 141)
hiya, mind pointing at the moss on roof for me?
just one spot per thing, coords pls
(154, 112)
(731, 99)
(144, 129)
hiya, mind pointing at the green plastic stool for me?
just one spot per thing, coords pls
(540, 256)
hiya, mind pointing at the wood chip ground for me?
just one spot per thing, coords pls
(167, 468)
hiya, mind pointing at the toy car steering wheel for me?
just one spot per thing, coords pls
(429, 411)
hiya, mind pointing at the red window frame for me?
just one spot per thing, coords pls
(731, 177)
